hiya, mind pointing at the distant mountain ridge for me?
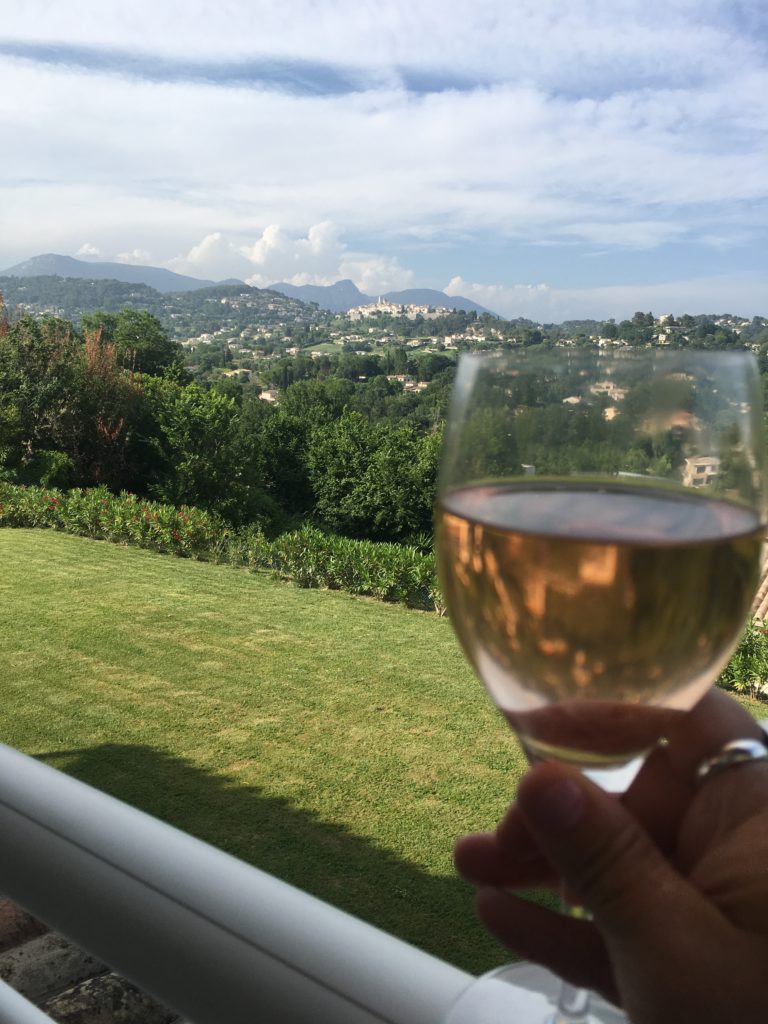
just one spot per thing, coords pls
(345, 295)
(53, 265)
(338, 297)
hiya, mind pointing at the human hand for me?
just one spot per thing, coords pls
(675, 875)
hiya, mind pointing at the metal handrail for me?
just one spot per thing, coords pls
(211, 937)
(208, 935)
(15, 1009)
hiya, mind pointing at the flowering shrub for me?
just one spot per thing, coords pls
(311, 558)
(122, 518)
(308, 557)
(747, 671)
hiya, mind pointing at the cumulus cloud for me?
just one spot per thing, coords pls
(531, 301)
(138, 257)
(86, 249)
(320, 257)
(214, 257)
(279, 256)
(635, 129)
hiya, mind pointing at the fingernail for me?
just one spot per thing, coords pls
(556, 806)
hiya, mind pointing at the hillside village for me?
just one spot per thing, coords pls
(263, 339)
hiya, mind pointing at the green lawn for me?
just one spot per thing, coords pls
(328, 347)
(337, 742)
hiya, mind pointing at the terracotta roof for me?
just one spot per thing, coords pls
(68, 984)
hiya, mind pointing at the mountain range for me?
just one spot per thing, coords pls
(52, 265)
(345, 295)
(338, 297)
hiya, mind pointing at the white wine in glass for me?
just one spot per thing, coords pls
(600, 525)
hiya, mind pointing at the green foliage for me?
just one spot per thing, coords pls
(141, 341)
(747, 671)
(125, 518)
(201, 450)
(40, 368)
(308, 557)
(69, 414)
(389, 572)
(372, 481)
(346, 448)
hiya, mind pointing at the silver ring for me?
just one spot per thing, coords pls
(735, 752)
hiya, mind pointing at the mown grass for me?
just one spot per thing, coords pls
(337, 742)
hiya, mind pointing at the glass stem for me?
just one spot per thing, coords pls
(573, 1003)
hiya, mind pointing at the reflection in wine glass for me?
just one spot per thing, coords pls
(600, 523)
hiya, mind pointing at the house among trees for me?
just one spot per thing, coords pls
(701, 470)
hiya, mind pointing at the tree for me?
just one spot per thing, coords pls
(200, 444)
(317, 401)
(40, 420)
(114, 447)
(373, 481)
(747, 671)
(141, 341)
(277, 443)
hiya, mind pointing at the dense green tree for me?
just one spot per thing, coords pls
(141, 341)
(200, 444)
(114, 446)
(317, 401)
(281, 441)
(368, 480)
(40, 424)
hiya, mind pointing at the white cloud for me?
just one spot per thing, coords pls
(544, 303)
(519, 300)
(320, 257)
(86, 249)
(510, 159)
(633, 126)
(278, 254)
(543, 40)
(375, 274)
(214, 257)
(138, 257)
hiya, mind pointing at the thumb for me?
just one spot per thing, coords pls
(606, 860)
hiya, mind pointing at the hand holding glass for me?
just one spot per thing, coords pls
(600, 528)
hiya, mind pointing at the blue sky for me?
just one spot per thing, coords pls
(549, 160)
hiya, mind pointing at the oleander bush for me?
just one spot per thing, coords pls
(123, 518)
(747, 671)
(307, 557)
(390, 572)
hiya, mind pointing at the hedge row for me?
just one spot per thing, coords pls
(308, 557)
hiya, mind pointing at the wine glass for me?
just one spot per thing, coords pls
(600, 523)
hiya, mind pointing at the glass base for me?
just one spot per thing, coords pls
(538, 979)
(573, 1005)
(522, 992)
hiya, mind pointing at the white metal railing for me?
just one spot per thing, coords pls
(14, 1009)
(206, 934)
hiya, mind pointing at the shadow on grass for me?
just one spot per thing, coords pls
(432, 912)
